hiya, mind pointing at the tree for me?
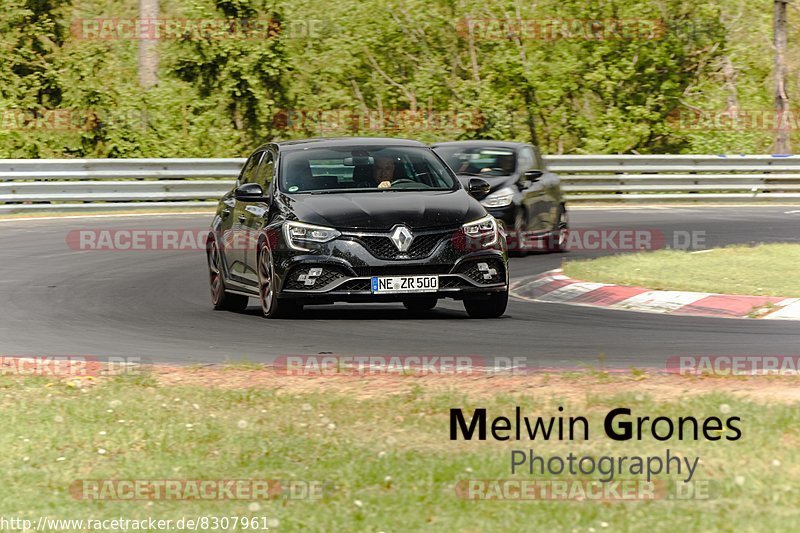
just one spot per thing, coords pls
(148, 48)
(242, 72)
(782, 145)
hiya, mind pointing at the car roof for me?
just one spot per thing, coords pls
(482, 142)
(323, 142)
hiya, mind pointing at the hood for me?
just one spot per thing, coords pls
(383, 210)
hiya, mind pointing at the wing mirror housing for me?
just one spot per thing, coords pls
(533, 175)
(250, 192)
(478, 188)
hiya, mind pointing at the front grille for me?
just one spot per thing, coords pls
(300, 275)
(383, 248)
(401, 270)
(492, 272)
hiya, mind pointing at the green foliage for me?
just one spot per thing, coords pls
(243, 77)
(431, 70)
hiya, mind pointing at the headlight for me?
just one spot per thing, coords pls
(298, 233)
(485, 227)
(499, 198)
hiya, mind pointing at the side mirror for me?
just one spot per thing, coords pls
(533, 175)
(479, 188)
(249, 192)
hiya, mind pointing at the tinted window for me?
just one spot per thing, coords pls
(266, 171)
(364, 169)
(248, 174)
(526, 160)
(479, 160)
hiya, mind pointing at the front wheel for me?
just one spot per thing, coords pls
(558, 239)
(492, 307)
(271, 305)
(518, 239)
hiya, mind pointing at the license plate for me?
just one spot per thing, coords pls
(399, 284)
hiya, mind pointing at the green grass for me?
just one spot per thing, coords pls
(764, 270)
(387, 461)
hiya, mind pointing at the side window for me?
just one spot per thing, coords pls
(526, 159)
(248, 174)
(266, 171)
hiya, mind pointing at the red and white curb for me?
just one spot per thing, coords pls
(554, 287)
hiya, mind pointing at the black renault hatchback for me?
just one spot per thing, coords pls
(356, 220)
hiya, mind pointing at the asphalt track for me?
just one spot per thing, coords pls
(155, 304)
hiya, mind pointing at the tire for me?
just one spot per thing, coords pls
(557, 242)
(271, 305)
(420, 304)
(518, 225)
(220, 298)
(493, 307)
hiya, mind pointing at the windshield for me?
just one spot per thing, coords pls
(479, 161)
(364, 169)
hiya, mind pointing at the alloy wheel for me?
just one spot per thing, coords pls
(265, 280)
(215, 271)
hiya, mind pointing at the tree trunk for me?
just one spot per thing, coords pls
(148, 51)
(729, 74)
(782, 144)
(530, 100)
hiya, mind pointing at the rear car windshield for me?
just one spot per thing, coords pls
(479, 161)
(363, 169)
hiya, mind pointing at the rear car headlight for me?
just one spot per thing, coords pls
(483, 228)
(499, 198)
(298, 233)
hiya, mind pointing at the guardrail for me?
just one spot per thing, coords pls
(31, 185)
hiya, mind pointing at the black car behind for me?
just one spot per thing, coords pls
(357, 220)
(524, 194)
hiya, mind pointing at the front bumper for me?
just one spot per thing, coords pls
(342, 270)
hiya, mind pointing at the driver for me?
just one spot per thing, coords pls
(384, 171)
(507, 163)
(503, 163)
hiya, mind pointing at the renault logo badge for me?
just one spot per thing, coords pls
(402, 238)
